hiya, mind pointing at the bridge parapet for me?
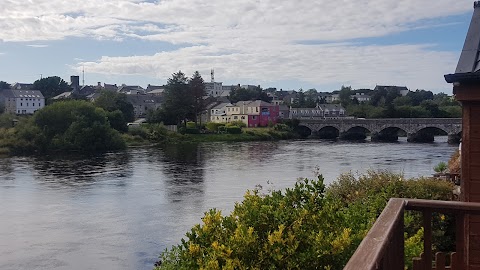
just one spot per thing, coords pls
(409, 125)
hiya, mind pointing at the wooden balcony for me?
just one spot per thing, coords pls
(383, 247)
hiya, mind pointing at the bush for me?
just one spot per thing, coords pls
(222, 129)
(281, 127)
(67, 126)
(234, 130)
(192, 131)
(191, 125)
(237, 123)
(305, 227)
(213, 127)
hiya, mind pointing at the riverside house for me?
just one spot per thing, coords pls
(253, 113)
(22, 101)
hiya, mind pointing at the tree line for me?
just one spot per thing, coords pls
(387, 103)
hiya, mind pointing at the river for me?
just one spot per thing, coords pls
(120, 210)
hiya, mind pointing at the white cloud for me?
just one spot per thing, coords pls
(249, 39)
(412, 65)
(37, 45)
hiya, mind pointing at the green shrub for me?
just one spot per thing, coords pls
(192, 131)
(191, 125)
(281, 127)
(213, 127)
(234, 130)
(222, 129)
(305, 227)
(240, 124)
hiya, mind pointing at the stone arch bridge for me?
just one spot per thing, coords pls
(452, 126)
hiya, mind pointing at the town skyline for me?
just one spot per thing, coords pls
(320, 45)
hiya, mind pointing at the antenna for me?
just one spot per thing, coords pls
(212, 74)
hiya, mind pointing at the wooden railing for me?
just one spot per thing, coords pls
(383, 247)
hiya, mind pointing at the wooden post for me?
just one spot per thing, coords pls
(469, 95)
(466, 87)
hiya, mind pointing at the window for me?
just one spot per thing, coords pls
(39, 105)
(27, 104)
(254, 117)
(21, 104)
(235, 117)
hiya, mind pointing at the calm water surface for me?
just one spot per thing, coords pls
(120, 210)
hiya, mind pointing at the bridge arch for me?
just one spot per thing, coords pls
(452, 126)
(328, 132)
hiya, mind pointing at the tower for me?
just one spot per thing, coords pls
(212, 75)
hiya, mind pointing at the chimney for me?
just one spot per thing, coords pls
(75, 82)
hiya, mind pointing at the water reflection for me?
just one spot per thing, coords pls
(6, 169)
(183, 166)
(81, 171)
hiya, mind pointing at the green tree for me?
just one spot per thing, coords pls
(344, 95)
(72, 125)
(51, 86)
(113, 103)
(243, 94)
(197, 90)
(4, 85)
(179, 102)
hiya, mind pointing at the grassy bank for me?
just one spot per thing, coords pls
(156, 133)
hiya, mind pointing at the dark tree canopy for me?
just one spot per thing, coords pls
(72, 125)
(179, 102)
(4, 85)
(113, 103)
(197, 90)
(243, 94)
(51, 86)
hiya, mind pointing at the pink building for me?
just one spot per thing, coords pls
(253, 113)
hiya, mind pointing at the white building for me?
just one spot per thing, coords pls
(213, 89)
(22, 101)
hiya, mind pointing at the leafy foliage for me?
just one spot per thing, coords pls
(51, 86)
(66, 126)
(111, 101)
(304, 227)
(243, 94)
(4, 85)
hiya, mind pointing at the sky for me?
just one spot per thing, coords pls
(287, 44)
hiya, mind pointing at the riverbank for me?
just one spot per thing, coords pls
(154, 133)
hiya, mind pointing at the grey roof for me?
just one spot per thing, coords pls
(256, 103)
(330, 107)
(221, 105)
(12, 93)
(63, 95)
(144, 99)
(22, 86)
(468, 67)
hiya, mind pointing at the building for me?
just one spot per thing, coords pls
(22, 101)
(321, 111)
(218, 113)
(402, 90)
(361, 97)
(143, 103)
(131, 89)
(253, 113)
(213, 89)
(22, 86)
